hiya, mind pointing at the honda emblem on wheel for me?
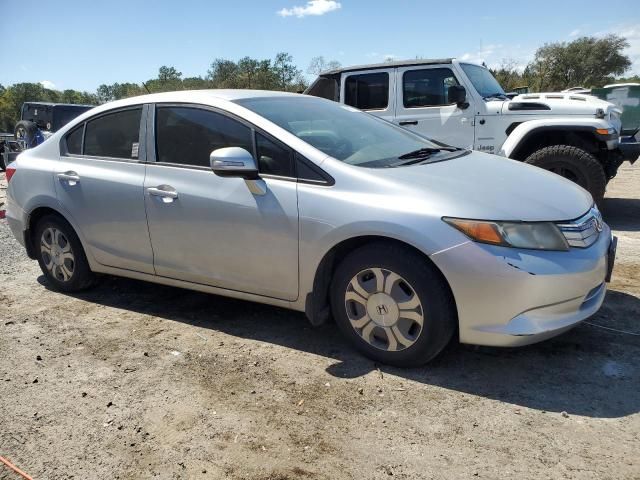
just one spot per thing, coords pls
(382, 310)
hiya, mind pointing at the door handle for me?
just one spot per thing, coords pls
(166, 192)
(408, 122)
(70, 176)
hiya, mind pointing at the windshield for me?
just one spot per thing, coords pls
(483, 81)
(343, 132)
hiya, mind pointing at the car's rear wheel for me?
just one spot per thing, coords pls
(61, 256)
(574, 164)
(393, 305)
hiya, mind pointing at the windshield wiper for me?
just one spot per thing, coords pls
(420, 155)
(427, 152)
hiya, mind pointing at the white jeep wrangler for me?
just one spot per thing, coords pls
(462, 104)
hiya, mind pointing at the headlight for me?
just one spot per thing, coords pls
(536, 236)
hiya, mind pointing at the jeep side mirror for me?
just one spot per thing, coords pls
(233, 162)
(458, 94)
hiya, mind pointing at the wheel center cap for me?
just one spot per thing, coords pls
(382, 309)
(56, 255)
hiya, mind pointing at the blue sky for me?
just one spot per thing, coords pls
(82, 44)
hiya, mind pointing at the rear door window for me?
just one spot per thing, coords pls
(368, 91)
(114, 135)
(187, 135)
(326, 87)
(427, 87)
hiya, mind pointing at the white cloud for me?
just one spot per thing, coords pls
(313, 7)
(574, 33)
(48, 84)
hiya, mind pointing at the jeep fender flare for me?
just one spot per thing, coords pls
(526, 129)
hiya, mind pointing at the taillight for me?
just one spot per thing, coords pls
(9, 172)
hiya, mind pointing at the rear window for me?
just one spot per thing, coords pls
(325, 87)
(369, 91)
(74, 141)
(114, 135)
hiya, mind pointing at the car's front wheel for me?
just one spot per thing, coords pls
(61, 256)
(393, 305)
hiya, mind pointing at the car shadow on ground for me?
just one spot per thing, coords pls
(622, 213)
(588, 371)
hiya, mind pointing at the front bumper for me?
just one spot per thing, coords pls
(510, 297)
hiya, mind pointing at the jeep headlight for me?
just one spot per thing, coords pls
(529, 235)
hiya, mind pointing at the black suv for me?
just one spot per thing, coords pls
(37, 121)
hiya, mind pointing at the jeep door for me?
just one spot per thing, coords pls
(370, 90)
(212, 230)
(98, 181)
(423, 105)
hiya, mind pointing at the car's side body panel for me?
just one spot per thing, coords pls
(218, 233)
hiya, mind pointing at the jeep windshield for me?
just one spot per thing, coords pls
(348, 134)
(483, 81)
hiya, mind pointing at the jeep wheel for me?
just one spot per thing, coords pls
(573, 164)
(393, 305)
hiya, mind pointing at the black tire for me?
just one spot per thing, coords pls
(575, 164)
(81, 276)
(3, 149)
(437, 305)
(25, 130)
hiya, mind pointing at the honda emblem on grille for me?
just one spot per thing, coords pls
(597, 220)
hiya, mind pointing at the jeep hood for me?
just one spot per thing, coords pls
(553, 104)
(483, 186)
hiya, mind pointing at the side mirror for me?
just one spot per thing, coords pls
(458, 94)
(233, 162)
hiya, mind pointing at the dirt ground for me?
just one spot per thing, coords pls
(134, 380)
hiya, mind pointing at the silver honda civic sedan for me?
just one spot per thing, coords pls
(314, 206)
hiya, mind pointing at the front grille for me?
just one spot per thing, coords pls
(584, 231)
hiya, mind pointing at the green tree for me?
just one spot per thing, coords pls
(586, 61)
(168, 74)
(286, 72)
(247, 71)
(508, 75)
(223, 74)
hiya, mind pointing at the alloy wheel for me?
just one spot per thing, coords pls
(57, 254)
(384, 309)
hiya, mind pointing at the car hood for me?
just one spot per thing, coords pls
(483, 186)
(551, 104)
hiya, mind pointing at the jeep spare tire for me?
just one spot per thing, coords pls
(25, 130)
(574, 164)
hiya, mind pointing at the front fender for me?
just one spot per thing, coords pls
(523, 131)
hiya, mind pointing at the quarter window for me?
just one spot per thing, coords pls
(428, 87)
(369, 91)
(273, 159)
(187, 136)
(114, 135)
(74, 141)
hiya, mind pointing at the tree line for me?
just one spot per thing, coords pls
(587, 62)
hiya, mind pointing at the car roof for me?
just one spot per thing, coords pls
(203, 95)
(214, 97)
(51, 104)
(399, 63)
